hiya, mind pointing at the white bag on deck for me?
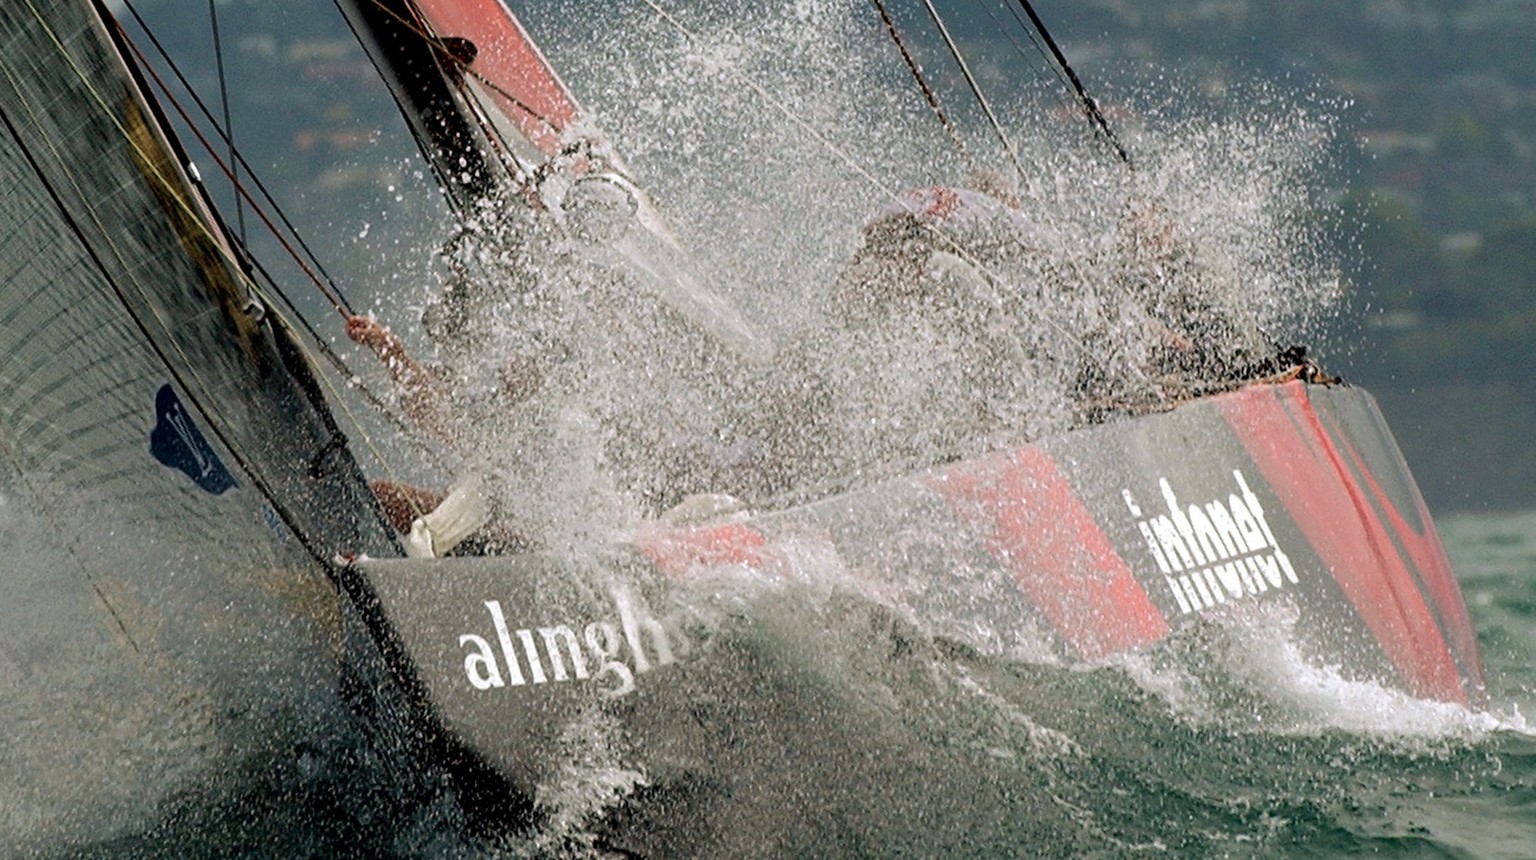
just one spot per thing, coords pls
(464, 511)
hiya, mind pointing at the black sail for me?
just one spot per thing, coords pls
(170, 483)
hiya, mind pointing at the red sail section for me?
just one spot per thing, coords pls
(520, 81)
(1283, 433)
(1041, 532)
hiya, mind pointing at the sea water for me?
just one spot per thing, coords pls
(1238, 752)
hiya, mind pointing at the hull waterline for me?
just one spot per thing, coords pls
(1282, 501)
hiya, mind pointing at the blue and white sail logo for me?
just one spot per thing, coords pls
(177, 442)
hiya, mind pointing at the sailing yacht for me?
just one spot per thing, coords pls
(199, 559)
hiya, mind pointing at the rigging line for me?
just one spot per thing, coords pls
(518, 170)
(442, 54)
(1034, 40)
(922, 83)
(842, 155)
(521, 172)
(154, 175)
(250, 172)
(336, 301)
(340, 365)
(331, 355)
(193, 397)
(853, 165)
(970, 81)
(423, 145)
(1094, 114)
(527, 176)
(1050, 67)
(229, 128)
(341, 404)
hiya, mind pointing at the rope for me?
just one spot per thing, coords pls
(173, 188)
(970, 81)
(522, 174)
(1034, 41)
(332, 357)
(229, 128)
(1092, 107)
(331, 296)
(442, 54)
(179, 375)
(250, 172)
(922, 83)
(1049, 67)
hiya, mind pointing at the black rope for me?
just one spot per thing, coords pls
(340, 365)
(970, 81)
(455, 70)
(239, 249)
(446, 55)
(1046, 62)
(922, 82)
(1041, 62)
(250, 172)
(229, 128)
(193, 394)
(1092, 107)
(337, 362)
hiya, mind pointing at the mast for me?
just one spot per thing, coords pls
(420, 71)
(491, 115)
(478, 95)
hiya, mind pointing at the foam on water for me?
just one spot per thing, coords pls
(1252, 676)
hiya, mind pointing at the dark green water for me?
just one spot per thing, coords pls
(1224, 747)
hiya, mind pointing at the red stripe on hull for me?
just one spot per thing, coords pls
(1427, 555)
(1035, 525)
(683, 552)
(1283, 433)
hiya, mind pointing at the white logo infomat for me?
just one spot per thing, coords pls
(1209, 554)
(564, 655)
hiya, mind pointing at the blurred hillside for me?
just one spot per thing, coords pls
(1442, 321)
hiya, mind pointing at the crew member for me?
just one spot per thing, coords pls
(918, 361)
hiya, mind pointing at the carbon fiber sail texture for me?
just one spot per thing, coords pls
(170, 487)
